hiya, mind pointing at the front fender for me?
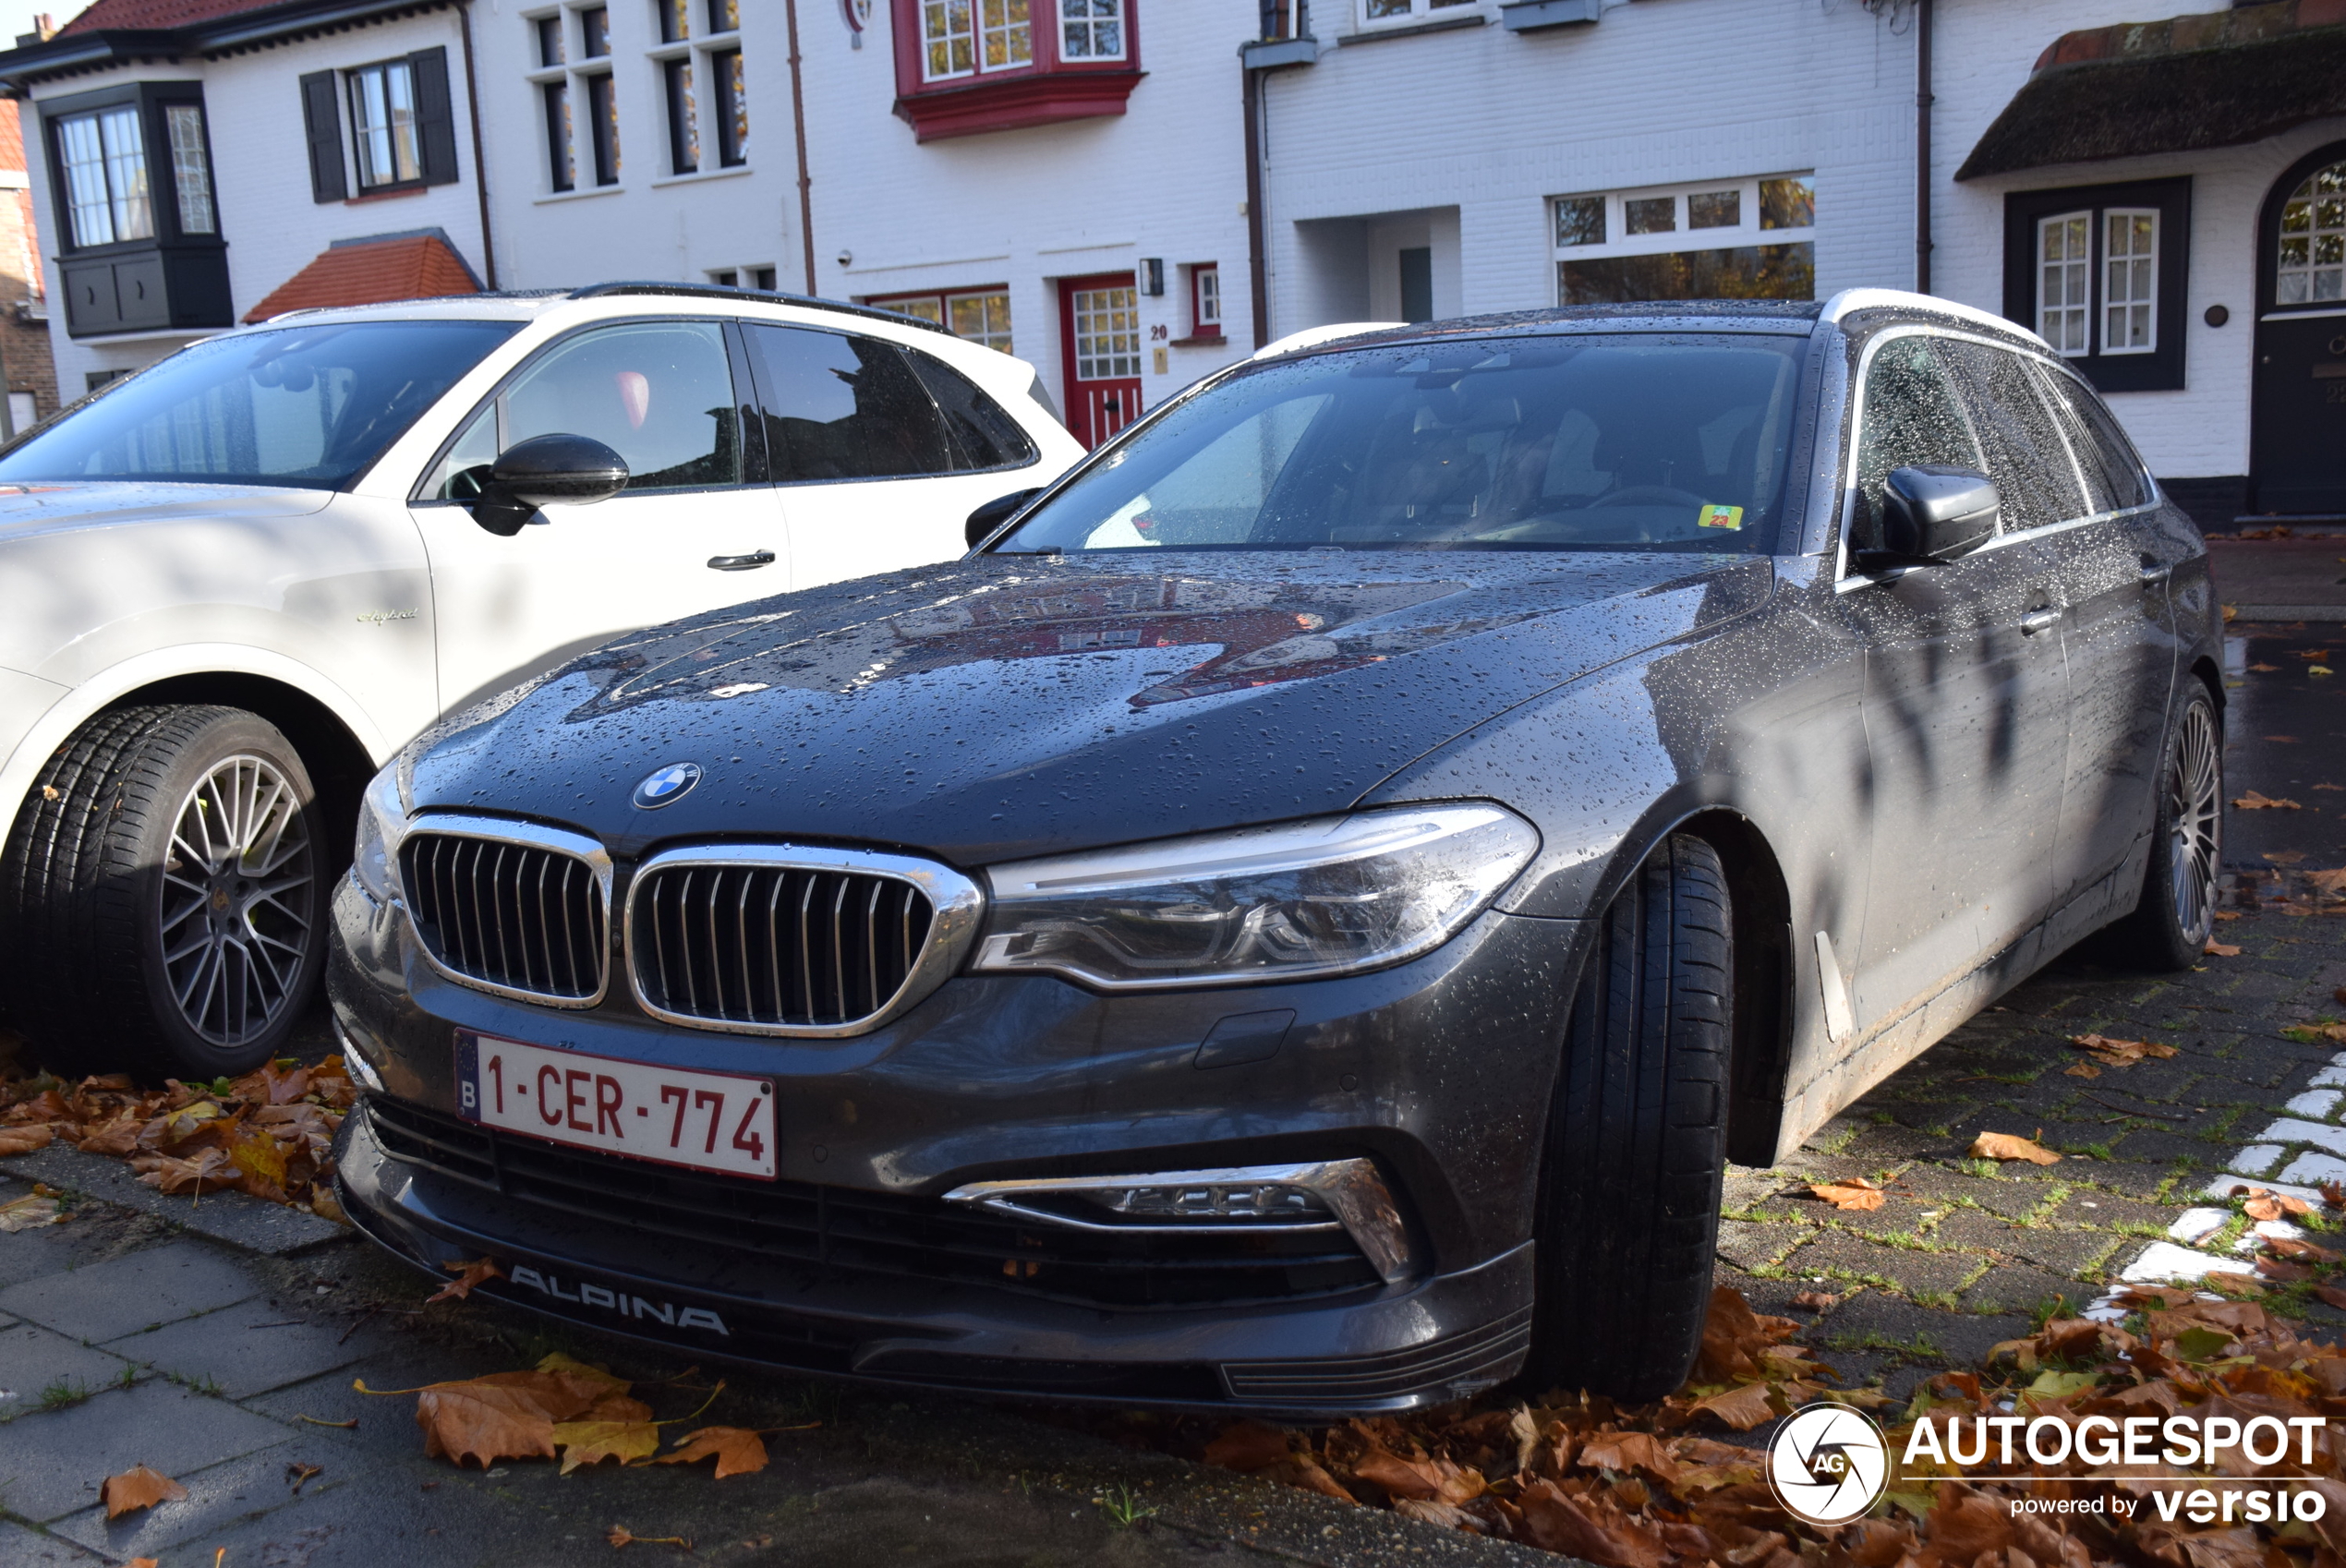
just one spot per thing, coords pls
(69, 710)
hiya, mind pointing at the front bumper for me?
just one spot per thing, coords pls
(851, 1264)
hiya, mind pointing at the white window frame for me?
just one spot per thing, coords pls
(1618, 241)
(363, 134)
(123, 195)
(190, 148)
(1205, 299)
(979, 30)
(2053, 321)
(2311, 274)
(1118, 11)
(2149, 303)
(1408, 13)
(577, 72)
(696, 50)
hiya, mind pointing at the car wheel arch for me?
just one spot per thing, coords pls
(1761, 908)
(340, 758)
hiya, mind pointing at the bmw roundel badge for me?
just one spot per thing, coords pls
(670, 784)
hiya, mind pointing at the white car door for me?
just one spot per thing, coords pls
(880, 453)
(696, 528)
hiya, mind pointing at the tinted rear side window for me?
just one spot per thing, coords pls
(984, 436)
(2103, 451)
(842, 408)
(2027, 456)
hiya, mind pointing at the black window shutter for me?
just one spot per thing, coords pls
(321, 117)
(435, 120)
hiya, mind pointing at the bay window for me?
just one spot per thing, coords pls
(130, 168)
(965, 67)
(105, 160)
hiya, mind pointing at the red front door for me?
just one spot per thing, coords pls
(1100, 350)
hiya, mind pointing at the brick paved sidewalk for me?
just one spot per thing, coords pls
(1965, 1250)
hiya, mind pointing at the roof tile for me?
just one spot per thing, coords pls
(157, 14)
(414, 267)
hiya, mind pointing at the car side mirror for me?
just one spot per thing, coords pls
(1932, 513)
(994, 514)
(542, 471)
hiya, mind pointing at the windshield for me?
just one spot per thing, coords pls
(1626, 441)
(302, 406)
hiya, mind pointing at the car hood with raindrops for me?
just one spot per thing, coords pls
(1007, 705)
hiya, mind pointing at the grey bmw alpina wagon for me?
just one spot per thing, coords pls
(1298, 918)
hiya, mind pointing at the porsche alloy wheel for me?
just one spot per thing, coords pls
(237, 893)
(166, 877)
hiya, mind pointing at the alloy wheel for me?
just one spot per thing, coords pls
(237, 901)
(2194, 808)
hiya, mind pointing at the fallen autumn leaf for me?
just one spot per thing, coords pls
(1855, 1194)
(30, 1213)
(138, 1488)
(480, 1270)
(2006, 1146)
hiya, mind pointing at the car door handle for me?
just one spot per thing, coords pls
(2154, 576)
(2038, 620)
(749, 562)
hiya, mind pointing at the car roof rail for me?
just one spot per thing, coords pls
(771, 297)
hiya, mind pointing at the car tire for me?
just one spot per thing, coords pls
(2168, 928)
(1638, 1137)
(164, 895)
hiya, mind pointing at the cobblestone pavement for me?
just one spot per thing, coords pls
(1965, 1252)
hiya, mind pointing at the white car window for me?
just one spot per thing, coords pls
(659, 393)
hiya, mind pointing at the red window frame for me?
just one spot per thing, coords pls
(1198, 326)
(1046, 92)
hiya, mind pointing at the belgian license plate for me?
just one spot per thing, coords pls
(706, 1120)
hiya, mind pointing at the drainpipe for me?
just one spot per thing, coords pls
(1252, 98)
(481, 169)
(1922, 146)
(798, 128)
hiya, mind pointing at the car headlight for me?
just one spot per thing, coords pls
(1327, 897)
(382, 822)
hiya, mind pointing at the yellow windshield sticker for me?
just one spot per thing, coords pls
(1719, 517)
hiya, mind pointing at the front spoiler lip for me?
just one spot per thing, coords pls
(1478, 1301)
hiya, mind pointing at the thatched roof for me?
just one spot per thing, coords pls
(2212, 80)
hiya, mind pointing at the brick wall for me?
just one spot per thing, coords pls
(25, 363)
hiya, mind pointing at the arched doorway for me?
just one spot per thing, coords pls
(2297, 439)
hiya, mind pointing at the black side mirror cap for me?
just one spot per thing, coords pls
(994, 514)
(544, 471)
(1932, 513)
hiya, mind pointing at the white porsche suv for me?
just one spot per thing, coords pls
(234, 584)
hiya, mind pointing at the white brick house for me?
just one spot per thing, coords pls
(1129, 193)
(1426, 158)
(188, 164)
(1013, 183)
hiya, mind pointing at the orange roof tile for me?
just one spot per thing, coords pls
(157, 14)
(410, 267)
